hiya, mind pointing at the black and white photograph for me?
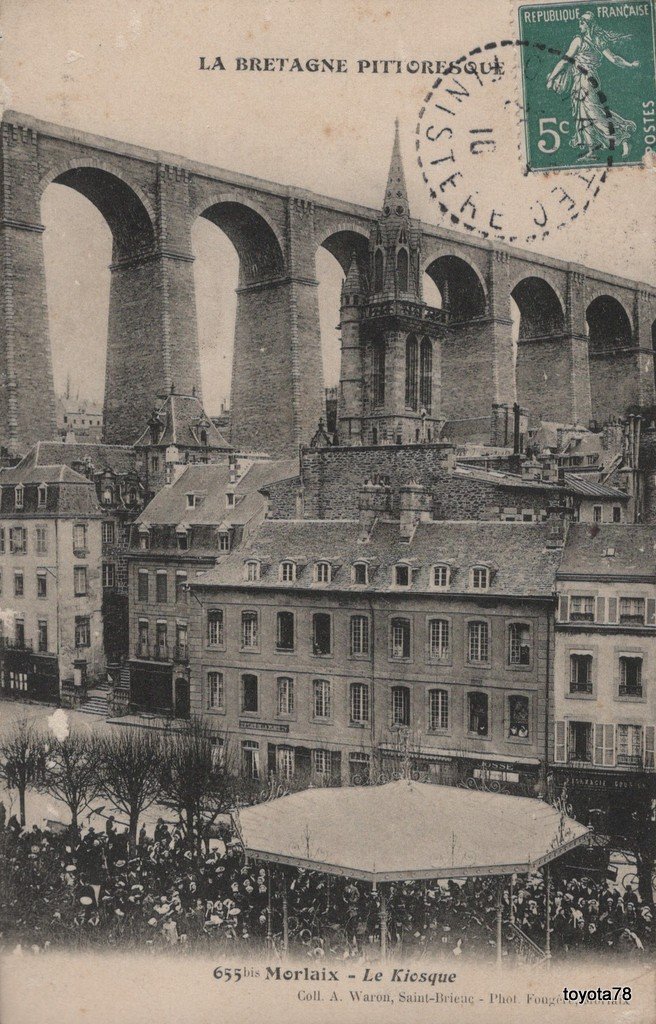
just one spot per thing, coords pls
(327, 511)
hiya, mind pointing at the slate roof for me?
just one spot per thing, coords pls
(180, 415)
(587, 488)
(521, 563)
(69, 493)
(633, 546)
(119, 458)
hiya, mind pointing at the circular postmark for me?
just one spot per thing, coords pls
(469, 142)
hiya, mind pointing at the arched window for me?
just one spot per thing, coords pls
(379, 270)
(402, 270)
(411, 372)
(379, 373)
(426, 375)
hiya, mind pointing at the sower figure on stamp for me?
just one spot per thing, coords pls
(596, 127)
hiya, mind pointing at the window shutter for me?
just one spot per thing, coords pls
(336, 767)
(272, 765)
(649, 746)
(651, 611)
(563, 611)
(598, 744)
(559, 741)
(612, 609)
(609, 746)
(601, 609)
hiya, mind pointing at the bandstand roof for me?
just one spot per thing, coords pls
(404, 830)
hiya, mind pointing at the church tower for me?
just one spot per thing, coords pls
(390, 370)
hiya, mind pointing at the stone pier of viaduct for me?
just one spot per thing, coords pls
(586, 339)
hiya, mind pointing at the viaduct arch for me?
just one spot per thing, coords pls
(572, 336)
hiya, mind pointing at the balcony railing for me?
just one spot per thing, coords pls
(576, 687)
(182, 652)
(579, 757)
(630, 689)
(632, 760)
(632, 620)
(142, 649)
(581, 616)
(17, 644)
(161, 652)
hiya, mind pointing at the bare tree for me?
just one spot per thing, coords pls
(196, 777)
(22, 759)
(129, 770)
(71, 772)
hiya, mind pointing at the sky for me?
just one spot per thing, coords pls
(130, 71)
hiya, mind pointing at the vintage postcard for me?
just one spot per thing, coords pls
(327, 511)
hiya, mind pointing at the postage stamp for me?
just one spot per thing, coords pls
(588, 84)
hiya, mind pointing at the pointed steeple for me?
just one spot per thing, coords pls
(395, 204)
(351, 284)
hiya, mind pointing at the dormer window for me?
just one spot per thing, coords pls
(252, 570)
(42, 495)
(19, 496)
(230, 499)
(108, 495)
(361, 573)
(182, 534)
(144, 538)
(323, 572)
(480, 577)
(224, 541)
(440, 576)
(402, 575)
(287, 572)
(191, 501)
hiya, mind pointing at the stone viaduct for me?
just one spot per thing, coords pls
(586, 339)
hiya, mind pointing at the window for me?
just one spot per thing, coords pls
(82, 631)
(321, 633)
(42, 495)
(107, 495)
(321, 698)
(581, 608)
(19, 496)
(144, 538)
(161, 639)
(322, 762)
(80, 539)
(143, 631)
(19, 634)
(400, 705)
(629, 745)
(480, 578)
(438, 710)
(252, 571)
(162, 586)
(440, 575)
(249, 694)
(360, 573)
(400, 638)
(378, 376)
(41, 583)
(426, 376)
(19, 584)
(518, 725)
(617, 513)
(80, 579)
(359, 769)
(142, 585)
(182, 537)
(285, 631)
(2, 540)
(108, 532)
(479, 642)
(402, 269)
(285, 762)
(0, 581)
(108, 574)
(18, 540)
(250, 759)
(478, 713)
(224, 541)
(402, 575)
(580, 673)
(519, 644)
(42, 540)
(323, 572)
(632, 611)
(438, 639)
(596, 513)
(630, 677)
(181, 589)
(379, 269)
(411, 372)
(580, 741)
(181, 641)
(287, 572)
(230, 499)
(285, 695)
(215, 634)
(191, 501)
(215, 691)
(249, 632)
(42, 627)
(359, 635)
(359, 703)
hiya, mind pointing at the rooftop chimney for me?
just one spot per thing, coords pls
(416, 506)
(374, 500)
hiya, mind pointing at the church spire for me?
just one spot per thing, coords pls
(396, 204)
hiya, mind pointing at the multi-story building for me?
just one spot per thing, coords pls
(605, 671)
(192, 522)
(50, 578)
(335, 647)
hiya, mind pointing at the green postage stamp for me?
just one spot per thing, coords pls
(588, 83)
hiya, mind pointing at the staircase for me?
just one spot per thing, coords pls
(97, 702)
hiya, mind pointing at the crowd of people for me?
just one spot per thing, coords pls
(89, 888)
